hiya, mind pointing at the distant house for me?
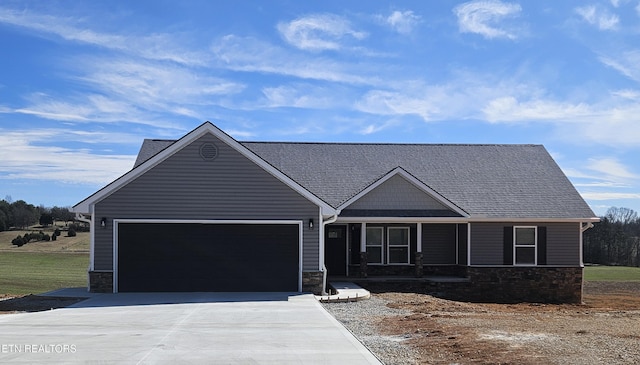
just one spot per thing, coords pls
(209, 213)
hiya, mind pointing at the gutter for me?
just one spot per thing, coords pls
(584, 227)
(329, 220)
(81, 218)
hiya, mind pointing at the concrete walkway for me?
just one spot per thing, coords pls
(347, 292)
(196, 328)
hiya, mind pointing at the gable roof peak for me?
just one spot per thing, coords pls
(207, 127)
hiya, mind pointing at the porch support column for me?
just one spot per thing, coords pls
(363, 250)
(468, 244)
(419, 268)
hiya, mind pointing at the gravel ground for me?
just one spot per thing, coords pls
(408, 328)
(362, 318)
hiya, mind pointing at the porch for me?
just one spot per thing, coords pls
(396, 250)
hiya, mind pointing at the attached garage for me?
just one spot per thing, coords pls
(220, 256)
(204, 213)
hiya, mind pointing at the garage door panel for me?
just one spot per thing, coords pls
(208, 257)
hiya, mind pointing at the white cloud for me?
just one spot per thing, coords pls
(92, 108)
(301, 96)
(598, 17)
(627, 63)
(458, 99)
(402, 21)
(135, 91)
(609, 196)
(611, 169)
(627, 94)
(484, 17)
(148, 84)
(29, 159)
(156, 46)
(318, 32)
(375, 128)
(510, 109)
(383, 102)
(252, 55)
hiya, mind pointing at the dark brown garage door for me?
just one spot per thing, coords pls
(170, 257)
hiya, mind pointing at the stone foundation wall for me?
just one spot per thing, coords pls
(101, 281)
(492, 284)
(312, 282)
(525, 284)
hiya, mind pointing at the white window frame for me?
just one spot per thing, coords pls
(407, 245)
(534, 246)
(380, 246)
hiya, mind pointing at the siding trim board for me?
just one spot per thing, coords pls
(116, 222)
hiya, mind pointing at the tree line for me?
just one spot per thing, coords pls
(20, 214)
(615, 240)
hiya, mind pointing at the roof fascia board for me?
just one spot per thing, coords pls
(411, 179)
(207, 127)
(461, 220)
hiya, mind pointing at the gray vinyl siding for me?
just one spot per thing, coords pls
(439, 244)
(187, 187)
(397, 193)
(487, 243)
(563, 243)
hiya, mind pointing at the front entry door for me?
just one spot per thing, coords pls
(335, 250)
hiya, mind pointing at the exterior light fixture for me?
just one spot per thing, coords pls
(103, 222)
(311, 223)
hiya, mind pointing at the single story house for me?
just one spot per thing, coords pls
(209, 213)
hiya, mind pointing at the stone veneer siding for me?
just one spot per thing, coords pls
(312, 282)
(101, 281)
(525, 284)
(489, 284)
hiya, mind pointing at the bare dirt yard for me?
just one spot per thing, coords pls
(603, 330)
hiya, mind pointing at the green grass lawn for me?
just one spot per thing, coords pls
(38, 272)
(611, 273)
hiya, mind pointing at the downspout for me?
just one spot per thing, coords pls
(583, 228)
(329, 220)
(82, 218)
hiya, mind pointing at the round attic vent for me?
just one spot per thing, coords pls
(208, 151)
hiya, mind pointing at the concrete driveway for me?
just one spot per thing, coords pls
(194, 328)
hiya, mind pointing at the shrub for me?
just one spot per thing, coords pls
(79, 227)
(71, 232)
(56, 232)
(54, 237)
(46, 237)
(18, 241)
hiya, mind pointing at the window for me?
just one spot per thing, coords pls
(398, 245)
(374, 244)
(525, 245)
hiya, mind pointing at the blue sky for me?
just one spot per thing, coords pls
(83, 82)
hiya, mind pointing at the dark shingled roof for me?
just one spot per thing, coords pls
(492, 181)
